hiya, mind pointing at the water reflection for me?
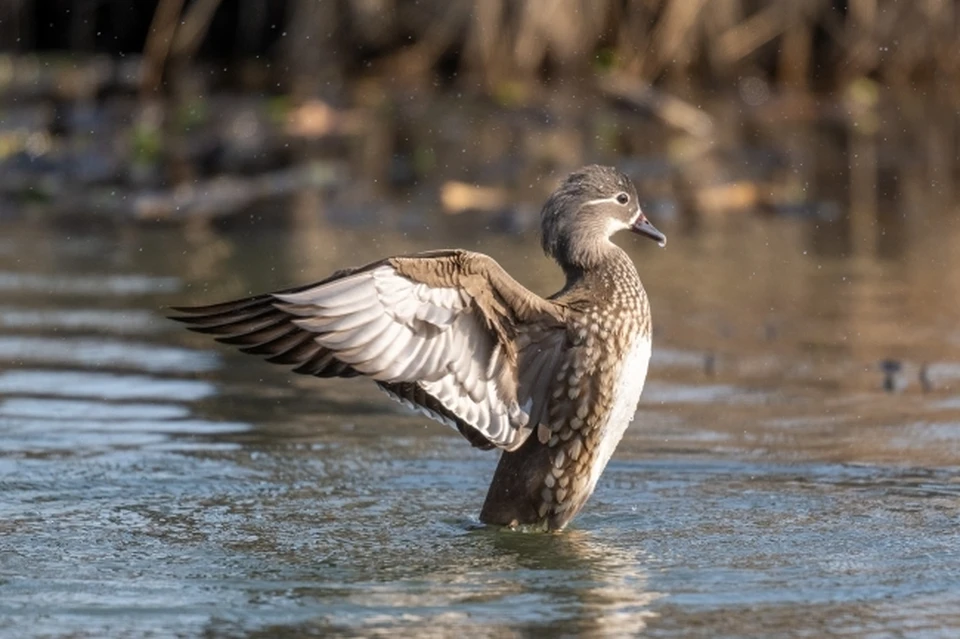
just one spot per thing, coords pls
(96, 352)
(595, 587)
(105, 386)
(485, 582)
(113, 322)
(65, 284)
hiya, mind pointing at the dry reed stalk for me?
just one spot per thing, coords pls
(862, 35)
(670, 109)
(192, 30)
(634, 35)
(436, 38)
(310, 50)
(942, 17)
(721, 16)
(796, 46)
(485, 40)
(16, 24)
(898, 40)
(745, 38)
(675, 40)
(569, 30)
(157, 47)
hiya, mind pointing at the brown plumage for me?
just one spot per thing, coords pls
(551, 381)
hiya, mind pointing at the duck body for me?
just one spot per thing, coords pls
(553, 382)
(593, 397)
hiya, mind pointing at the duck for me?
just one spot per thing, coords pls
(552, 382)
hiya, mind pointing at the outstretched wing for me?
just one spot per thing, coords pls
(447, 333)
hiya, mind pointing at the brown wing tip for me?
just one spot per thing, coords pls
(190, 310)
(183, 318)
(192, 316)
(185, 314)
(235, 304)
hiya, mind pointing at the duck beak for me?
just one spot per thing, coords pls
(642, 226)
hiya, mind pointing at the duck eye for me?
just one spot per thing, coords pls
(623, 198)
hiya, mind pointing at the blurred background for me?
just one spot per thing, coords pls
(844, 112)
(793, 466)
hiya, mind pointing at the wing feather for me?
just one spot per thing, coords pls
(341, 293)
(297, 353)
(282, 344)
(446, 333)
(244, 323)
(369, 353)
(258, 335)
(435, 356)
(335, 323)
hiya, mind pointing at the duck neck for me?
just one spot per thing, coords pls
(593, 259)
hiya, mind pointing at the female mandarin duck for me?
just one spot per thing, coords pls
(553, 382)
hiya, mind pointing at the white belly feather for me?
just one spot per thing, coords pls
(625, 398)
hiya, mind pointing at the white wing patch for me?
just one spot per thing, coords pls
(394, 329)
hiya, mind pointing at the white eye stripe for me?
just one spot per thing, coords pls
(613, 200)
(603, 200)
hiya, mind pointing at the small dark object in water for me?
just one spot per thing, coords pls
(770, 331)
(891, 369)
(710, 364)
(925, 382)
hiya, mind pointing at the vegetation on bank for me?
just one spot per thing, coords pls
(199, 108)
(307, 45)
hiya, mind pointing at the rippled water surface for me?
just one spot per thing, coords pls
(155, 483)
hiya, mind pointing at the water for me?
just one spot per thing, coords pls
(157, 484)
